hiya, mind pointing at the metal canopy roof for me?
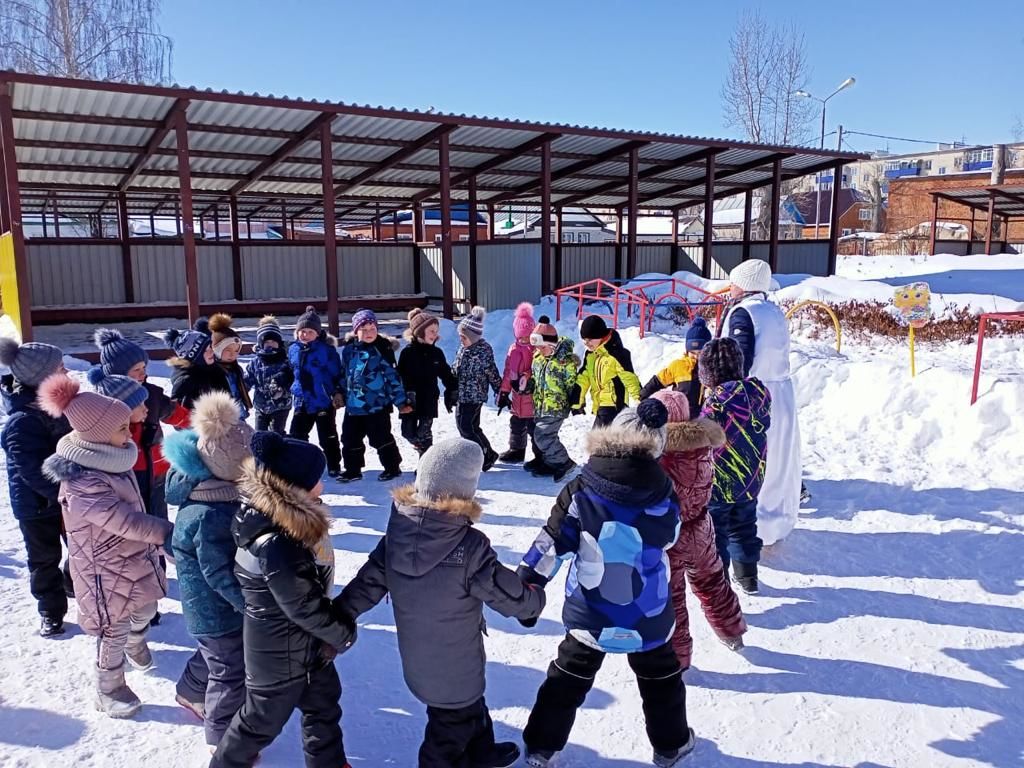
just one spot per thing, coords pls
(1007, 200)
(80, 142)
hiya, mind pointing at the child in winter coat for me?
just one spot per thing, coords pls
(29, 437)
(440, 571)
(227, 345)
(621, 509)
(421, 365)
(123, 357)
(114, 544)
(554, 377)
(206, 464)
(371, 387)
(317, 388)
(607, 372)
(476, 371)
(517, 388)
(195, 371)
(742, 407)
(270, 377)
(688, 461)
(291, 632)
(682, 374)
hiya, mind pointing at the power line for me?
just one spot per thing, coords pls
(896, 138)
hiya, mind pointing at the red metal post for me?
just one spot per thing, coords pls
(673, 259)
(236, 250)
(377, 237)
(5, 219)
(935, 219)
(748, 214)
(188, 225)
(124, 235)
(471, 223)
(977, 359)
(558, 246)
(991, 223)
(970, 235)
(42, 216)
(330, 230)
(618, 243)
(773, 235)
(709, 214)
(633, 196)
(177, 213)
(216, 222)
(490, 221)
(417, 223)
(56, 219)
(834, 230)
(284, 220)
(545, 219)
(14, 212)
(447, 278)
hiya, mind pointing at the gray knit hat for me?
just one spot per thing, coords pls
(128, 391)
(30, 363)
(649, 418)
(472, 325)
(450, 468)
(223, 437)
(309, 319)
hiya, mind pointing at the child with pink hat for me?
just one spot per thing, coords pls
(516, 391)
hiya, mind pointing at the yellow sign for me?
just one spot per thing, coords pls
(9, 304)
(914, 303)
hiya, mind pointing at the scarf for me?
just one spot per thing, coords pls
(213, 491)
(99, 456)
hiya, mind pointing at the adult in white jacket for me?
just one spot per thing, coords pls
(762, 332)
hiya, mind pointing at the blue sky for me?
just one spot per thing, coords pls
(640, 64)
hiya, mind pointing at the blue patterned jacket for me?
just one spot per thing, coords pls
(371, 380)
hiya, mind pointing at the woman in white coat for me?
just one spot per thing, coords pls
(762, 332)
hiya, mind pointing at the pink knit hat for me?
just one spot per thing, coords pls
(675, 403)
(522, 323)
(93, 416)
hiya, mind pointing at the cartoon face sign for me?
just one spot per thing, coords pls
(914, 303)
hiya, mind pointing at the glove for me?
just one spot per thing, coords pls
(529, 623)
(405, 410)
(451, 399)
(328, 652)
(504, 401)
(338, 400)
(580, 411)
(531, 385)
(410, 398)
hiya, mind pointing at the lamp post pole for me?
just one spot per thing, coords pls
(817, 179)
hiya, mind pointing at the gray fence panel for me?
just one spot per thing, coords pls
(508, 273)
(283, 272)
(959, 247)
(759, 251)
(690, 258)
(430, 271)
(159, 273)
(798, 257)
(585, 262)
(375, 270)
(460, 269)
(653, 257)
(725, 256)
(70, 274)
(216, 280)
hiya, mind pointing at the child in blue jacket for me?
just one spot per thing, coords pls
(270, 377)
(318, 385)
(371, 387)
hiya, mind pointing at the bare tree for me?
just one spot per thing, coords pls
(93, 39)
(1018, 129)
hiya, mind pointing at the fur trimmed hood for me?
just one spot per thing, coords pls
(467, 508)
(619, 442)
(693, 435)
(59, 470)
(287, 506)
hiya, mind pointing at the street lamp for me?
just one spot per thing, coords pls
(806, 95)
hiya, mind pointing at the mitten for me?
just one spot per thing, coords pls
(451, 399)
(338, 400)
(504, 401)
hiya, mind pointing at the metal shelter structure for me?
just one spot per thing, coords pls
(73, 148)
(998, 202)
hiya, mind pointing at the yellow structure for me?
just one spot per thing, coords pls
(835, 320)
(9, 303)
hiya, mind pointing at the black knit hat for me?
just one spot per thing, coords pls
(593, 327)
(294, 461)
(309, 319)
(721, 360)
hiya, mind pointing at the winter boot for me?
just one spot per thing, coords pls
(113, 696)
(350, 476)
(513, 456)
(732, 643)
(389, 474)
(539, 759)
(503, 755)
(668, 759)
(559, 472)
(745, 574)
(334, 474)
(51, 626)
(197, 708)
(534, 464)
(489, 459)
(543, 470)
(136, 650)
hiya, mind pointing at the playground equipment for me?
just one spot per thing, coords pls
(640, 297)
(983, 320)
(821, 305)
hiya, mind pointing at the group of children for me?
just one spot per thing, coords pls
(250, 539)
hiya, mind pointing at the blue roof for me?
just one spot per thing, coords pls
(460, 212)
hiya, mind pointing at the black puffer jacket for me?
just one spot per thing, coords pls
(421, 365)
(29, 438)
(190, 381)
(440, 571)
(285, 566)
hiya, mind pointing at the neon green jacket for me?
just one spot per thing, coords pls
(554, 377)
(608, 382)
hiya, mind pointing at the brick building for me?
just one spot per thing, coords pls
(910, 202)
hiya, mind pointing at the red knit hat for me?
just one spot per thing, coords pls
(522, 323)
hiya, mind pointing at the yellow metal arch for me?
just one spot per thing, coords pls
(835, 320)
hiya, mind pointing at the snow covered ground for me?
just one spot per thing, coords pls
(889, 630)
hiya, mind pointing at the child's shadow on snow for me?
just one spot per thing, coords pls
(37, 728)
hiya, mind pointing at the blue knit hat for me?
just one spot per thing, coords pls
(128, 391)
(294, 461)
(118, 355)
(188, 345)
(698, 335)
(363, 317)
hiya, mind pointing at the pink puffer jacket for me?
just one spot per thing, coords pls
(519, 368)
(694, 557)
(113, 545)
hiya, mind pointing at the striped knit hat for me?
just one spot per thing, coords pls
(128, 391)
(268, 328)
(472, 325)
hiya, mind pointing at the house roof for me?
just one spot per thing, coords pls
(801, 205)
(1006, 199)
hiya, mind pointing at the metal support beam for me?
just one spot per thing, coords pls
(935, 219)
(618, 243)
(991, 223)
(834, 228)
(159, 134)
(673, 259)
(330, 233)
(188, 224)
(236, 250)
(5, 217)
(417, 223)
(633, 196)
(447, 278)
(773, 229)
(545, 219)
(558, 246)
(709, 215)
(748, 214)
(471, 223)
(124, 235)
